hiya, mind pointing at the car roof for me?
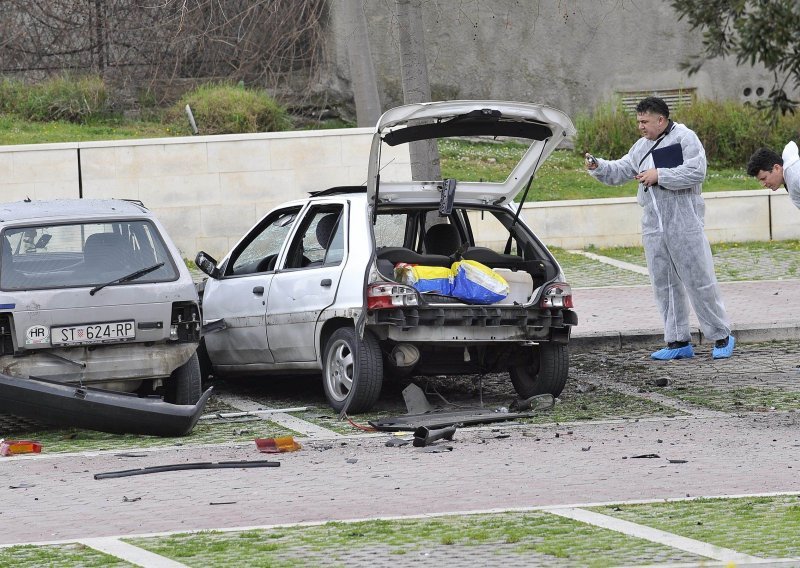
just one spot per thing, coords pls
(59, 209)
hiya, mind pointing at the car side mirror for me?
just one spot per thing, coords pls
(207, 264)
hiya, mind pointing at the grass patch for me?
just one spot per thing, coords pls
(742, 399)
(759, 526)
(757, 260)
(64, 556)
(600, 404)
(537, 537)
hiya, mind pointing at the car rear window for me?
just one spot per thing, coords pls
(82, 254)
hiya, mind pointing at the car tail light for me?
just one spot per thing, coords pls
(185, 322)
(557, 295)
(382, 295)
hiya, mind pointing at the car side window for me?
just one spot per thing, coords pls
(260, 251)
(320, 239)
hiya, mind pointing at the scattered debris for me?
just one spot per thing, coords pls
(277, 445)
(223, 502)
(678, 461)
(250, 413)
(410, 422)
(416, 401)
(14, 447)
(437, 449)
(646, 456)
(23, 485)
(586, 449)
(351, 460)
(130, 455)
(585, 387)
(130, 499)
(536, 402)
(184, 466)
(424, 436)
(662, 382)
(395, 442)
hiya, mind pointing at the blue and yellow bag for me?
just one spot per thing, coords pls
(433, 279)
(476, 283)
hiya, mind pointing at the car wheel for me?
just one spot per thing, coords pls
(184, 385)
(204, 360)
(340, 368)
(549, 376)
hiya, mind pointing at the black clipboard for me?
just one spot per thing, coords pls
(668, 157)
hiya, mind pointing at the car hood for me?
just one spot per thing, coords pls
(544, 127)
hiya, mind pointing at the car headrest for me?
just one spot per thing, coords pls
(442, 238)
(325, 228)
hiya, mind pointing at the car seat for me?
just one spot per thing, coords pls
(442, 239)
(107, 252)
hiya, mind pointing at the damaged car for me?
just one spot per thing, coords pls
(98, 312)
(400, 277)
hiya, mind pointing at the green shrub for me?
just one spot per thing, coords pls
(10, 94)
(73, 99)
(230, 109)
(609, 131)
(730, 131)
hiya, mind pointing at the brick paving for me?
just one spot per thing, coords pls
(53, 498)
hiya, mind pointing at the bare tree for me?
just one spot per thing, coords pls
(265, 42)
(416, 86)
(353, 25)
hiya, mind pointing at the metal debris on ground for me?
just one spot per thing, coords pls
(410, 422)
(185, 466)
(424, 436)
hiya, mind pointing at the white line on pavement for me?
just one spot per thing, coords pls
(292, 422)
(613, 262)
(653, 535)
(130, 553)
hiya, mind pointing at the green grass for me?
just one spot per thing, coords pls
(537, 537)
(64, 556)
(743, 399)
(764, 526)
(757, 260)
(14, 130)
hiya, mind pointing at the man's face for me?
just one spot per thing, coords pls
(650, 125)
(772, 179)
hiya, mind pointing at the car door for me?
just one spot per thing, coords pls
(239, 296)
(307, 283)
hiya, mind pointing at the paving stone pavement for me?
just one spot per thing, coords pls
(53, 498)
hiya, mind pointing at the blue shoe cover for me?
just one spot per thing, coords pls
(724, 352)
(666, 353)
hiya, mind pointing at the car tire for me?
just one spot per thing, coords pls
(184, 385)
(549, 376)
(204, 360)
(339, 367)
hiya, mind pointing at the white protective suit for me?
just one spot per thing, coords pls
(791, 172)
(677, 250)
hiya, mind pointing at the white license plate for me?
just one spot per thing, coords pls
(93, 333)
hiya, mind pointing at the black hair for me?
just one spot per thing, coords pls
(763, 159)
(654, 105)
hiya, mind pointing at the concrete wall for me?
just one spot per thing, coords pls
(570, 55)
(208, 190)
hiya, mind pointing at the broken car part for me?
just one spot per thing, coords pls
(184, 466)
(410, 422)
(61, 404)
(424, 436)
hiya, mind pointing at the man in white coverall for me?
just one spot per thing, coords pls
(670, 164)
(774, 171)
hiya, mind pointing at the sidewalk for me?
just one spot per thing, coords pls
(627, 315)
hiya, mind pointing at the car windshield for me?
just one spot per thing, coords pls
(82, 254)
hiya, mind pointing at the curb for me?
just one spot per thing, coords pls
(648, 338)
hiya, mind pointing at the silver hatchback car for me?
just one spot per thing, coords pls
(326, 284)
(94, 293)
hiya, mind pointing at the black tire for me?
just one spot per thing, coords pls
(205, 361)
(549, 376)
(184, 385)
(339, 369)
